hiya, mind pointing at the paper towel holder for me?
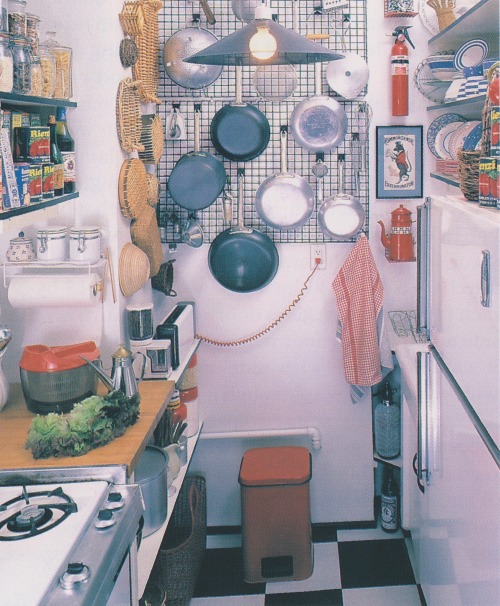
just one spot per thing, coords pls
(12, 269)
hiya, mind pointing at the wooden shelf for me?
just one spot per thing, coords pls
(469, 108)
(23, 210)
(25, 100)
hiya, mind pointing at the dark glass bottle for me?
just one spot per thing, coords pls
(66, 145)
(389, 501)
(56, 158)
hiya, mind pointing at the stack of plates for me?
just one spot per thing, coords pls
(439, 131)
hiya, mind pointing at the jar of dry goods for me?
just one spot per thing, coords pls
(48, 65)
(4, 16)
(22, 65)
(6, 64)
(63, 56)
(36, 76)
(17, 17)
(32, 31)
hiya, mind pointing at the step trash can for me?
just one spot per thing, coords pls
(276, 514)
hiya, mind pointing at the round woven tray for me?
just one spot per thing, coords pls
(133, 269)
(154, 189)
(146, 235)
(152, 137)
(132, 188)
(128, 115)
(468, 169)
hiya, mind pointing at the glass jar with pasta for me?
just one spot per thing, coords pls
(63, 56)
(48, 66)
(6, 64)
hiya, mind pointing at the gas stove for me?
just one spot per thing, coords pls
(65, 543)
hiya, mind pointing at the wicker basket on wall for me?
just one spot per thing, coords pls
(145, 68)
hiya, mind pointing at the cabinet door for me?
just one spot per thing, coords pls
(459, 549)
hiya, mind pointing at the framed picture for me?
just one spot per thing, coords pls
(399, 162)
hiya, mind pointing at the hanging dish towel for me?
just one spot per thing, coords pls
(365, 347)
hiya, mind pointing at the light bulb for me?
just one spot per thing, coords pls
(263, 44)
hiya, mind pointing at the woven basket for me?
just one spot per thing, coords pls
(181, 552)
(146, 235)
(468, 170)
(133, 269)
(152, 137)
(132, 188)
(132, 18)
(146, 66)
(153, 189)
(128, 115)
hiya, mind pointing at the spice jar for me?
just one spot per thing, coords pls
(52, 243)
(48, 65)
(32, 31)
(6, 64)
(17, 17)
(22, 65)
(63, 58)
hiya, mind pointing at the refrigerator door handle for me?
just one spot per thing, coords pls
(423, 268)
(423, 376)
(485, 279)
(419, 484)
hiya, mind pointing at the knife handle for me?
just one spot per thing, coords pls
(207, 11)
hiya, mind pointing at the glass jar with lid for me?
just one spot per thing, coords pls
(63, 56)
(36, 76)
(48, 64)
(4, 16)
(22, 65)
(6, 64)
(17, 17)
(32, 31)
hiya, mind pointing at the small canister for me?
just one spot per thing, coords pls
(51, 243)
(140, 323)
(21, 249)
(85, 244)
(189, 397)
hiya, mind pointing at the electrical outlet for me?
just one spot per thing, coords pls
(318, 251)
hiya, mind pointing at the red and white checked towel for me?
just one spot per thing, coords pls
(359, 292)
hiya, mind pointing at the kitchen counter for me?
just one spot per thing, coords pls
(15, 420)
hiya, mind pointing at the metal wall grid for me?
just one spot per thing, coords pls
(347, 32)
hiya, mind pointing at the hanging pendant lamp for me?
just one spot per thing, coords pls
(263, 42)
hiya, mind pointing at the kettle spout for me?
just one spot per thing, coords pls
(100, 373)
(386, 242)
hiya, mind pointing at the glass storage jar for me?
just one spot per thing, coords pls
(36, 76)
(4, 16)
(17, 17)
(48, 65)
(63, 56)
(6, 64)
(22, 65)
(32, 31)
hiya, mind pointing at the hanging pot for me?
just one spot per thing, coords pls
(341, 216)
(240, 131)
(182, 44)
(285, 200)
(198, 178)
(240, 258)
(318, 123)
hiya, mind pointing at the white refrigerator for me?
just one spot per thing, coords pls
(456, 490)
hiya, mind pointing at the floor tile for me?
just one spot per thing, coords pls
(241, 600)
(324, 533)
(374, 563)
(223, 540)
(221, 575)
(368, 534)
(328, 597)
(405, 595)
(326, 573)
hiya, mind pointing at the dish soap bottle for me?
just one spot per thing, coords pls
(387, 426)
(389, 504)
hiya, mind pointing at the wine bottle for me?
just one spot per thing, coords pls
(56, 158)
(66, 145)
(389, 501)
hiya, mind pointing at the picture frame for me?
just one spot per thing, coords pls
(399, 162)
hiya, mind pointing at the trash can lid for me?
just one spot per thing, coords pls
(277, 465)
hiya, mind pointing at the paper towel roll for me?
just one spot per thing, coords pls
(54, 291)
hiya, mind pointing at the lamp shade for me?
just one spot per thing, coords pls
(291, 48)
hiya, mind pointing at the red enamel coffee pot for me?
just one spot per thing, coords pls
(400, 243)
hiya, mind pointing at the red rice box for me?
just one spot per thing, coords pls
(495, 131)
(489, 181)
(35, 183)
(31, 144)
(47, 180)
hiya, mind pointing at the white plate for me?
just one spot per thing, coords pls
(457, 138)
(471, 53)
(441, 138)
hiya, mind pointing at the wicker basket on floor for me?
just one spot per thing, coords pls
(468, 169)
(181, 553)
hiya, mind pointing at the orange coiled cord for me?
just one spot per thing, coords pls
(269, 327)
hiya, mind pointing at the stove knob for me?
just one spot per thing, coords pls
(76, 573)
(105, 519)
(115, 500)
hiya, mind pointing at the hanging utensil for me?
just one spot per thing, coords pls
(192, 232)
(318, 123)
(207, 11)
(175, 127)
(286, 200)
(320, 170)
(240, 258)
(363, 119)
(244, 10)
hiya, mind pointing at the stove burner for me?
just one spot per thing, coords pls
(31, 514)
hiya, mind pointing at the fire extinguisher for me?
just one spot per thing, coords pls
(399, 70)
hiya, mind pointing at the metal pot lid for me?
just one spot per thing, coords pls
(182, 44)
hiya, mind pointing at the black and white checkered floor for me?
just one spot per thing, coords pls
(365, 567)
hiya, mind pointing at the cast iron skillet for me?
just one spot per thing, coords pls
(240, 131)
(240, 258)
(198, 178)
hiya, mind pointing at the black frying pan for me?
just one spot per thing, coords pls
(240, 131)
(198, 178)
(240, 258)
